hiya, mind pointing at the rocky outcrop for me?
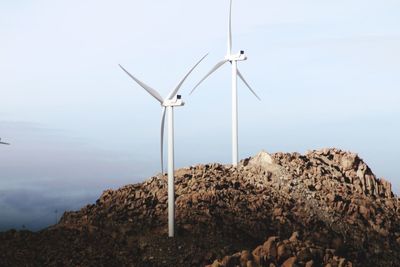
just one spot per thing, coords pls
(286, 253)
(329, 198)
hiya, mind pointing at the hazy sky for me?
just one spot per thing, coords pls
(327, 73)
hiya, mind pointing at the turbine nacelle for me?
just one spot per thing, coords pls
(174, 102)
(237, 57)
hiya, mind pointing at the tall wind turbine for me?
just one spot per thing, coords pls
(168, 104)
(233, 59)
(2, 143)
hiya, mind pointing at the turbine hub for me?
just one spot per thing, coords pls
(237, 57)
(174, 102)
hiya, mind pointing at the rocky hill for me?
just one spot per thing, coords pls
(325, 208)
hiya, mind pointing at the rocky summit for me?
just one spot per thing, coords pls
(324, 208)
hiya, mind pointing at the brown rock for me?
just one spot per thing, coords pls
(294, 237)
(228, 261)
(217, 264)
(258, 251)
(342, 263)
(364, 212)
(258, 255)
(245, 257)
(304, 255)
(291, 262)
(277, 212)
(330, 197)
(283, 252)
(337, 243)
(270, 247)
(251, 264)
(262, 159)
(347, 162)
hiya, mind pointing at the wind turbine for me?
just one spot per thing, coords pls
(2, 143)
(168, 104)
(233, 59)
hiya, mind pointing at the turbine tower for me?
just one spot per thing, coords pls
(3, 143)
(168, 104)
(233, 59)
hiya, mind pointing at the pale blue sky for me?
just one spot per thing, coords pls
(327, 73)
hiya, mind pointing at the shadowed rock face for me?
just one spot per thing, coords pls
(325, 208)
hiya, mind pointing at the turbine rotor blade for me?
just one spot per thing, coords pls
(175, 91)
(162, 139)
(230, 30)
(217, 66)
(150, 90)
(248, 86)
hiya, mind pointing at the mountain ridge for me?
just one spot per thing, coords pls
(329, 199)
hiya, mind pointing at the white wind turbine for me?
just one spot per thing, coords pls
(168, 104)
(233, 59)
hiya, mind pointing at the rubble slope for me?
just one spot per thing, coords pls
(324, 208)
